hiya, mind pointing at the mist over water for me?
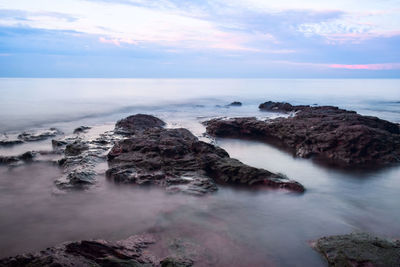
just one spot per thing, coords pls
(239, 227)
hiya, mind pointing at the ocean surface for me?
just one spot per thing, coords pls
(242, 227)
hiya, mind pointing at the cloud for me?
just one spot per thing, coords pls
(383, 66)
(133, 24)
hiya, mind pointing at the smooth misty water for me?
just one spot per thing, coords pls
(238, 227)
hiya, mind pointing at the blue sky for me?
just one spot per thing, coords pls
(200, 38)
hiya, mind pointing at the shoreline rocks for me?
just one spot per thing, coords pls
(132, 251)
(328, 133)
(176, 160)
(358, 249)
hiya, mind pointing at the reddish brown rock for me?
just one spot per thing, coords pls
(339, 136)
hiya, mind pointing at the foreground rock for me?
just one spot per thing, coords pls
(339, 136)
(176, 160)
(129, 252)
(359, 249)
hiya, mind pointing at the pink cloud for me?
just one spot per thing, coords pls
(383, 66)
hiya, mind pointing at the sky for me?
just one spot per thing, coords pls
(200, 38)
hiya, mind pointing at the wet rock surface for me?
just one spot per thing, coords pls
(359, 249)
(339, 136)
(81, 158)
(129, 252)
(176, 160)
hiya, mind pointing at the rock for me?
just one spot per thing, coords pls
(91, 253)
(81, 129)
(38, 136)
(235, 104)
(77, 178)
(176, 262)
(359, 249)
(81, 157)
(176, 160)
(276, 106)
(76, 148)
(9, 142)
(335, 135)
(137, 123)
(15, 160)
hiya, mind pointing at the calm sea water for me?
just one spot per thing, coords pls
(239, 227)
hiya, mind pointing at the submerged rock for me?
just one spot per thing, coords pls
(16, 160)
(339, 136)
(359, 249)
(28, 136)
(32, 136)
(5, 141)
(176, 160)
(137, 123)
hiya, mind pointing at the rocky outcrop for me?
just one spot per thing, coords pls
(129, 252)
(358, 249)
(176, 160)
(329, 133)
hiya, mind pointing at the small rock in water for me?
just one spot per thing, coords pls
(16, 160)
(235, 104)
(358, 249)
(81, 129)
(32, 136)
(6, 141)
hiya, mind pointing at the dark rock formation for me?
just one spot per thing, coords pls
(235, 104)
(137, 123)
(359, 249)
(95, 253)
(339, 136)
(177, 160)
(81, 129)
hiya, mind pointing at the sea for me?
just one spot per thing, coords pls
(238, 227)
